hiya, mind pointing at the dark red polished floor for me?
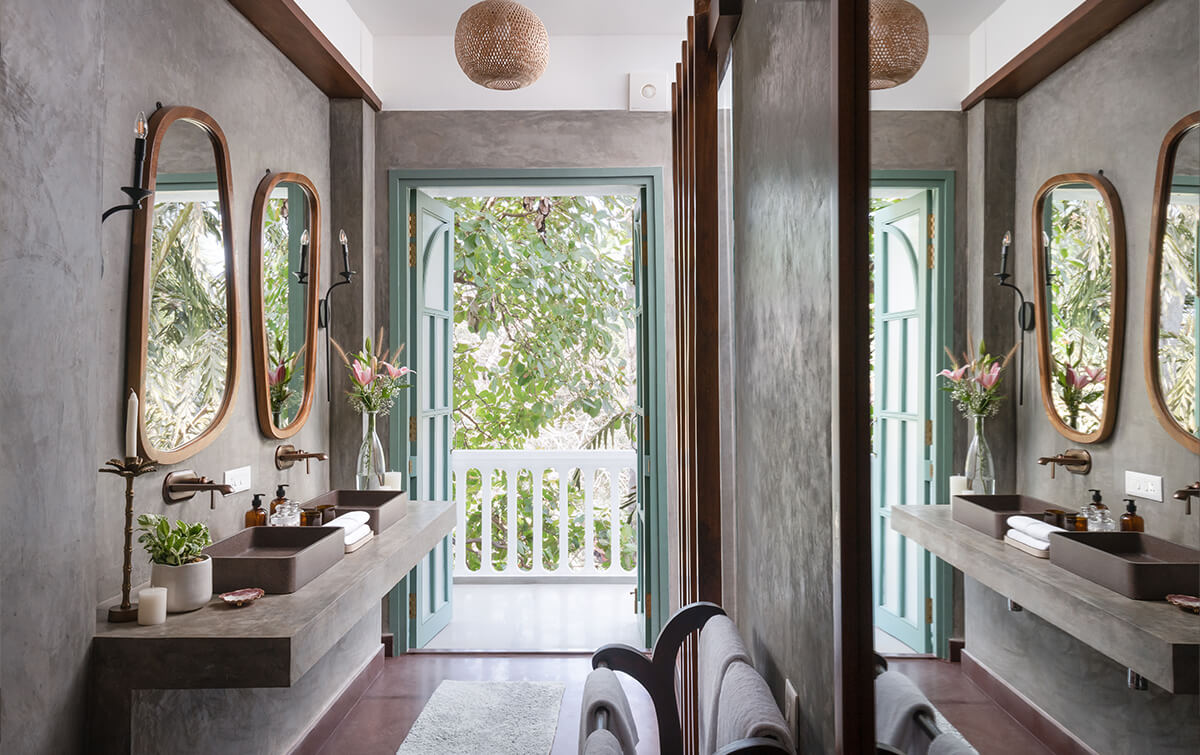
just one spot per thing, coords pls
(381, 719)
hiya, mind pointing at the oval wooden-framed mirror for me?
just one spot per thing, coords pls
(285, 265)
(1172, 318)
(184, 343)
(1079, 292)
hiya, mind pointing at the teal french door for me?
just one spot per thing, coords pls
(650, 560)
(431, 403)
(902, 438)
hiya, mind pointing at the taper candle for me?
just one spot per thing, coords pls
(345, 250)
(1004, 253)
(131, 425)
(152, 606)
(302, 273)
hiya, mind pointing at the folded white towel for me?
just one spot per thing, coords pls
(350, 521)
(602, 742)
(352, 536)
(746, 709)
(951, 743)
(720, 646)
(602, 689)
(1032, 542)
(1032, 527)
(897, 700)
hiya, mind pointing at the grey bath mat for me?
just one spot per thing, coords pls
(488, 718)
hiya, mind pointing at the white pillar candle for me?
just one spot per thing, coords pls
(393, 480)
(131, 425)
(958, 485)
(152, 605)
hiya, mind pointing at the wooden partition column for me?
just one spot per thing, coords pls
(697, 322)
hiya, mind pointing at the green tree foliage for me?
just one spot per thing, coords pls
(543, 355)
(187, 345)
(1179, 317)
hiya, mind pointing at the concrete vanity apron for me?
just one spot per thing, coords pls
(328, 624)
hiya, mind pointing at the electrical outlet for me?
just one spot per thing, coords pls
(238, 478)
(1142, 485)
(791, 708)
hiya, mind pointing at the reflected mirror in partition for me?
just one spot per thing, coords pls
(285, 264)
(183, 338)
(1172, 337)
(1079, 267)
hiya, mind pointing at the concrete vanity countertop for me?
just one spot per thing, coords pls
(1154, 638)
(271, 643)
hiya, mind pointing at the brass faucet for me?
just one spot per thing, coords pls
(1186, 495)
(1075, 460)
(287, 455)
(183, 485)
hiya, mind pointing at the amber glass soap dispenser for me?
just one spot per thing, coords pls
(280, 498)
(1130, 520)
(257, 515)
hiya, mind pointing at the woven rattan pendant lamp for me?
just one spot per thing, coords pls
(501, 44)
(899, 42)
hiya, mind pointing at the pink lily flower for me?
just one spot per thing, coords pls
(989, 379)
(1078, 380)
(363, 375)
(276, 376)
(394, 372)
(1095, 374)
(954, 375)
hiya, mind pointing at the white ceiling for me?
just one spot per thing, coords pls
(955, 16)
(561, 17)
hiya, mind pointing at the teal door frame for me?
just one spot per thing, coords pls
(941, 336)
(649, 183)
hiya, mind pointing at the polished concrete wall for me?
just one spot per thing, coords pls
(784, 171)
(1107, 109)
(73, 76)
(490, 139)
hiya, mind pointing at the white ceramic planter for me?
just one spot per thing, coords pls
(188, 587)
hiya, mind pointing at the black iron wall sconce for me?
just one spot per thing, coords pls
(1025, 314)
(136, 193)
(323, 311)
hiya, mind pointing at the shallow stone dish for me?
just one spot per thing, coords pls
(243, 597)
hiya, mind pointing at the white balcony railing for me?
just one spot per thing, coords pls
(544, 514)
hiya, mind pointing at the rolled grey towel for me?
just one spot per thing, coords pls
(720, 646)
(746, 709)
(601, 742)
(951, 744)
(897, 701)
(602, 689)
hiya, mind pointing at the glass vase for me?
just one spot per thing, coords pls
(371, 463)
(981, 468)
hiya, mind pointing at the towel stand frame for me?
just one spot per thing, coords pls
(657, 675)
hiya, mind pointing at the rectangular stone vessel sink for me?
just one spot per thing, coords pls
(989, 513)
(277, 559)
(385, 507)
(1133, 564)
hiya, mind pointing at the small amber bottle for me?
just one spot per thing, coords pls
(280, 497)
(257, 515)
(1130, 520)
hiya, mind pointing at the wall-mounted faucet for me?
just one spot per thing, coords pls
(184, 484)
(287, 455)
(1186, 495)
(1074, 460)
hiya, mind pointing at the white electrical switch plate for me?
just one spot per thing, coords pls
(791, 707)
(1146, 486)
(238, 478)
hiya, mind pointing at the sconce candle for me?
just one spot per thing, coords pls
(140, 130)
(131, 425)
(1004, 253)
(345, 251)
(302, 273)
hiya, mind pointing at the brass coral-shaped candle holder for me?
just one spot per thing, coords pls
(130, 467)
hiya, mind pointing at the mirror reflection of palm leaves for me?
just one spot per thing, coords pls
(285, 395)
(1080, 288)
(1179, 322)
(544, 313)
(188, 348)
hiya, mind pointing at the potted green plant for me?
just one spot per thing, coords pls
(179, 561)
